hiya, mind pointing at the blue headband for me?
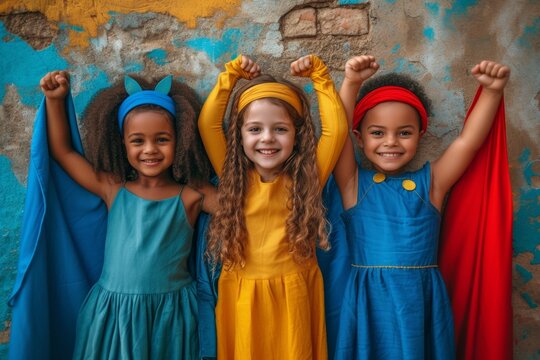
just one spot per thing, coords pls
(138, 96)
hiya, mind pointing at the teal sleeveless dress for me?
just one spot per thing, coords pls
(395, 302)
(144, 305)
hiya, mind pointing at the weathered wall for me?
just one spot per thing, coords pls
(437, 41)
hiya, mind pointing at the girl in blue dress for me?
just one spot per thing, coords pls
(395, 302)
(147, 164)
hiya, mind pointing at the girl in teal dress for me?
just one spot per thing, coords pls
(146, 162)
(395, 304)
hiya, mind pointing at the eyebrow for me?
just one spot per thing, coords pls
(384, 127)
(141, 134)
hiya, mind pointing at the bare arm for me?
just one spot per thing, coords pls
(333, 118)
(213, 111)
(357, 70)
(447, 169)
(55, 86)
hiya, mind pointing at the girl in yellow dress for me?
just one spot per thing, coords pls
(271, 170)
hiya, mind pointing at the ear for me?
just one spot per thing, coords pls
(131, 85)
(164, 86)
(358, 136)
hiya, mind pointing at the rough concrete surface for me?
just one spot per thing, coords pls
(435, 41)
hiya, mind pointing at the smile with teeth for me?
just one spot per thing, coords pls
(151, 161)
(267, 151)
(390, 155)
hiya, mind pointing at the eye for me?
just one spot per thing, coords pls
(163, 139)
(281, 129)
(376, 133)
(136, 141)
(254, 129)
(405, 133)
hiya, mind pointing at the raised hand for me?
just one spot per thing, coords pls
(55, 84)
(360, 68)
(491, 75)
(301, 66)
(250, 67)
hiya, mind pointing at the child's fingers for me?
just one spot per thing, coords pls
(504, 71)
(300, 65)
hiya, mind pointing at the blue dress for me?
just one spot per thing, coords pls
(395, 303)
(144, 305)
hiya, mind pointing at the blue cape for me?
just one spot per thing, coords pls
(61, 252)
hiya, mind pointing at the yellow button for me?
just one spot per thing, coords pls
(379, 178)
(408, 185)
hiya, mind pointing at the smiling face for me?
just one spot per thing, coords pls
(150, 142)
(389, 135)
(268, 137)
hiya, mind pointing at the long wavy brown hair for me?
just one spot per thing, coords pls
(105, 149)
(306, 223)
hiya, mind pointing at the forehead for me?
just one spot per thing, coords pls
(148, 121)
(390, 114)
(266, 110)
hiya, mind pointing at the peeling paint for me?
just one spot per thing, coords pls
(159, 56)
(89, 15)
(530, 35)
(529, 300)
(429, 34)
(35, 63)
(433, 8)
(458, 9)
(526, 220)
(524, 273)
(352, 2)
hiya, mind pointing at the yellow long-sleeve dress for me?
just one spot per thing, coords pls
(273, 307)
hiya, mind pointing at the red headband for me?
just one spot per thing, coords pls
(389, 93)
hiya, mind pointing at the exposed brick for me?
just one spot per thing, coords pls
(341, 21)
(300, 23)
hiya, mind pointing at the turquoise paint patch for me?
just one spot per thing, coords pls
(159, 56)
(404, 66)
(530, 35)
(64, 26)
(352, 2)
(429, 34)
(95, 80)
(526, 226)
(433, 8)
(395, 49)
(308, 88)
(525, 274)
(25, 67)
(447, 74)
(133, 67)
(232, 42)
(459, 8)
(529, 300)
(391, 1)
(12, 195)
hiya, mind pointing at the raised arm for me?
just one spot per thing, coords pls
(447, 169)
(55, 86)
(357, 70)
(333, 117)
(213, 111)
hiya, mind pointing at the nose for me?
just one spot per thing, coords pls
(390, 140)
(149, 148)
(267, 136)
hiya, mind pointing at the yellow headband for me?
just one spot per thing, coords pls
(270, 90)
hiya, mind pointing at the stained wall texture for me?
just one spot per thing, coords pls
(436, 41)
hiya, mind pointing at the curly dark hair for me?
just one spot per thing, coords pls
(227, 233)
(104, 147)
(397, 79)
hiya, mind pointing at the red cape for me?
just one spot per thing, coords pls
(475, 253)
